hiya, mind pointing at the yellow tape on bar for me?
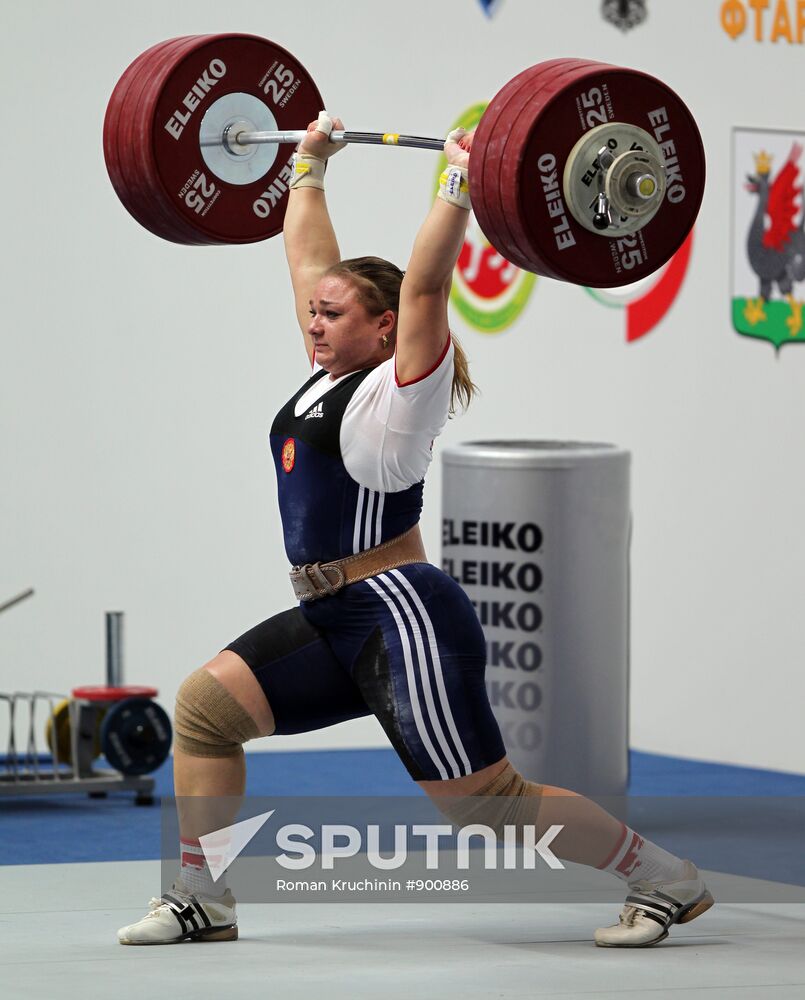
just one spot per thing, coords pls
(391, 138)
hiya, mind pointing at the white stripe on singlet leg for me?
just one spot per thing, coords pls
(424, 673)
(356, 534)
(409, 673)
(381, 499)
(367, 523)
(437, 668)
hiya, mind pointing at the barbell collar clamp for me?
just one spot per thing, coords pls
(601, 216)
(605, 157)
(230, 139)
(635, 185)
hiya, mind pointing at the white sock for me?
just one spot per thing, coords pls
(194, 872)
(635, 859)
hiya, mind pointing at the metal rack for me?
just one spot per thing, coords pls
(37, 770)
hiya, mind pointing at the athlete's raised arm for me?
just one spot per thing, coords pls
(423, 328)
(310, 243)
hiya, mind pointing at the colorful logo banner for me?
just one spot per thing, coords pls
(768, 253)
(646, 302)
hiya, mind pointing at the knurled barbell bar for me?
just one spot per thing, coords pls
(579, 170)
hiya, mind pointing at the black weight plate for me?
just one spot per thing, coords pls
(136, 736)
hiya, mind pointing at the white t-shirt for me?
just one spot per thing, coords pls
(388, 429)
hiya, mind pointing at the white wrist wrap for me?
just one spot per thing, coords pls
(308, 171)
(454, 187)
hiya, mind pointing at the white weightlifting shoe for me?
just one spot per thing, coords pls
(182, 916)
(651, 909)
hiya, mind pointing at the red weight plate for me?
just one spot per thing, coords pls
(119, 148)
(508, 179)
(112, 124)
(217, 65)
(511, 168)
(486, 151)
(511, 123)
(155, 214)
(516, 126)
(559, 68)
(494, 135)
(556, 124)
(102, 692)
(145, 202)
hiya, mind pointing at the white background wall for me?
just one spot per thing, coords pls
(135, 410)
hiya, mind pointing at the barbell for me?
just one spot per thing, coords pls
(581, 171)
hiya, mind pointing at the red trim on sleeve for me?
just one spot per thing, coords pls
(430, 371)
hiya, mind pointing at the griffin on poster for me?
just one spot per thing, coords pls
(769, 235)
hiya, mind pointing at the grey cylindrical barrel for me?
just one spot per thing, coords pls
(537, 533)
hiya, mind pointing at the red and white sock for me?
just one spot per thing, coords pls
(635, 859)
(195, 871)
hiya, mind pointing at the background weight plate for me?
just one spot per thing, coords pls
(136, 736)
(103, 692)
(58, 732)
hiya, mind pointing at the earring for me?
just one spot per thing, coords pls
(385, 340)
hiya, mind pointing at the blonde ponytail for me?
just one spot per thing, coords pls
(463, 388)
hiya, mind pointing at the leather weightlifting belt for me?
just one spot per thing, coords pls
(315, 580)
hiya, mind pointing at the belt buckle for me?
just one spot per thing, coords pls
(316, 579)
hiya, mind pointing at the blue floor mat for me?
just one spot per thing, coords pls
(713, 820)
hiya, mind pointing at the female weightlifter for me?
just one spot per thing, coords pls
(378, 630)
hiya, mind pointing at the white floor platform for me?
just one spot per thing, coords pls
(57, 940)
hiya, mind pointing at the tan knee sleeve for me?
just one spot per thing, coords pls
(208, 721)
(507, 800)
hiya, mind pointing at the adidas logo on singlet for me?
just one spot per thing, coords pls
(317, 411)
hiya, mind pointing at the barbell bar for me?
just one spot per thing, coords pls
(580, 170)
(640, 180)
(235, 140)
